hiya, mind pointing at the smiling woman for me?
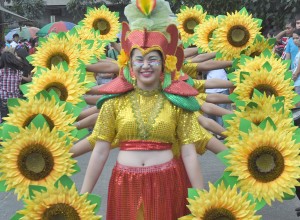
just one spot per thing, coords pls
(150, 116)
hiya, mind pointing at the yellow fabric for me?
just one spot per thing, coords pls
(90, 77)
(140, 115)
(190, 69)
(199, 85)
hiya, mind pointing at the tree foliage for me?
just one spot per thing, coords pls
(78, 7)
(31, 9)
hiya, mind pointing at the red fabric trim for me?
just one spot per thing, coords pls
(144, 145)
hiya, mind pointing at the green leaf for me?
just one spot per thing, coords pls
(7, 129)
(227, 117)
(2, 186)
(288, 196)
(229, 180)
(24, 88)
(192, 193)
(258, 93)
(287, 63)
(296, 99)
(267, 66)
(278, 106)
(82, 133)
(242, 76)
(243, 11)
(259, 21)
(17, 216)
(233, 97)
(267, 53)
(13, 102)
(231, 76)
(272, 41)
(65, 181)
(263, 124)
(221, 156)
(76, 168)
(39, 121)
(29, 58)
(37, 188)
(288, 75)
(252, 105)
(245, 125)
(94, 199)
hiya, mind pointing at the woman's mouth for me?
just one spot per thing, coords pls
(146, 74)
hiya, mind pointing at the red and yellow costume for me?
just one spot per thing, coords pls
(137, 120)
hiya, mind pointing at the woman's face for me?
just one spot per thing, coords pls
(296, 39)
(147, 69)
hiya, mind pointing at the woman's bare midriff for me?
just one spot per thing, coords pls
(144, 158)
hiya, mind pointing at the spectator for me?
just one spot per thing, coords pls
(15, 41)
(291, 49)
(33, 44)
(11, 76)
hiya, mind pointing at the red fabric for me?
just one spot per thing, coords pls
(116, 86)
(157, 192)
(144, 145)
(181, 88)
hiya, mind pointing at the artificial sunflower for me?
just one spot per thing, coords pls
(259, 109)
(67, 83)
(103, 20)
(54, 111)
(59, 202)
(235, 33)
(249, 64)
(204, 33)
(221, 203)
(34, 156)
(260, 44)
(90, 40)
(55, 49)
(266, 162)
(188, 18)
(266, 80)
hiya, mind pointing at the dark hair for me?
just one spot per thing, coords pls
(292, 22)
(8, 59)
(297, 31)
(297, 17)
(16, 35)
(23, 53)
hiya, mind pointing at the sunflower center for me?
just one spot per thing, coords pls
(265, 88)
(102, 25)
(57, 58)
(189, 25)
(238, 36)
(265, 164)
(30, 118)
(219, 214)
(60, 90)
(60, 211)
(209, 36)
(35, 162)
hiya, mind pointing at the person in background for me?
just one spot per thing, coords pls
(33, 42)
(15, 40)
(11, 75)
(291, 49)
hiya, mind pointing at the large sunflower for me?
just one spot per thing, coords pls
(53, 111)
(266, 162)
(67, 83)
(266, 80)
(103, 20)
(204, 33)
(236, 32)
(249, 64)
(260, 44)
(188, 19)
(54, 50)
(221, 203)
(260, 108)
(59, 203)
(34, 156)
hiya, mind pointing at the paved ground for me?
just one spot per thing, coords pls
(212, 169)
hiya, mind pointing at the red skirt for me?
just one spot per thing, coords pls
(151, 193)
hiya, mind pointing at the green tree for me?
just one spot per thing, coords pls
(31, 9)
(78, 7)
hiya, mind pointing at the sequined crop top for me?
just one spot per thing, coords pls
(148, 116)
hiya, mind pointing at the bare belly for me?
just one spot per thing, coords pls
(144, 158)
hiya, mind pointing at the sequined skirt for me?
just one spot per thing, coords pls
(151, 193)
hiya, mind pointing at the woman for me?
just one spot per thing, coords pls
(150, 115)
(11, 76)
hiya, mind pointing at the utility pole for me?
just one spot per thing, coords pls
(2, 25)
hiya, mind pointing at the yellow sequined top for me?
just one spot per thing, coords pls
(148, 115)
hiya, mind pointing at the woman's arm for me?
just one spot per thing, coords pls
(91, 99)
(95, 167)
(213, 65)
(203, 57)
(192, 166)
(296, 71)
(87, 112)
(87, 122)
(104, 66)
(81, 147)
